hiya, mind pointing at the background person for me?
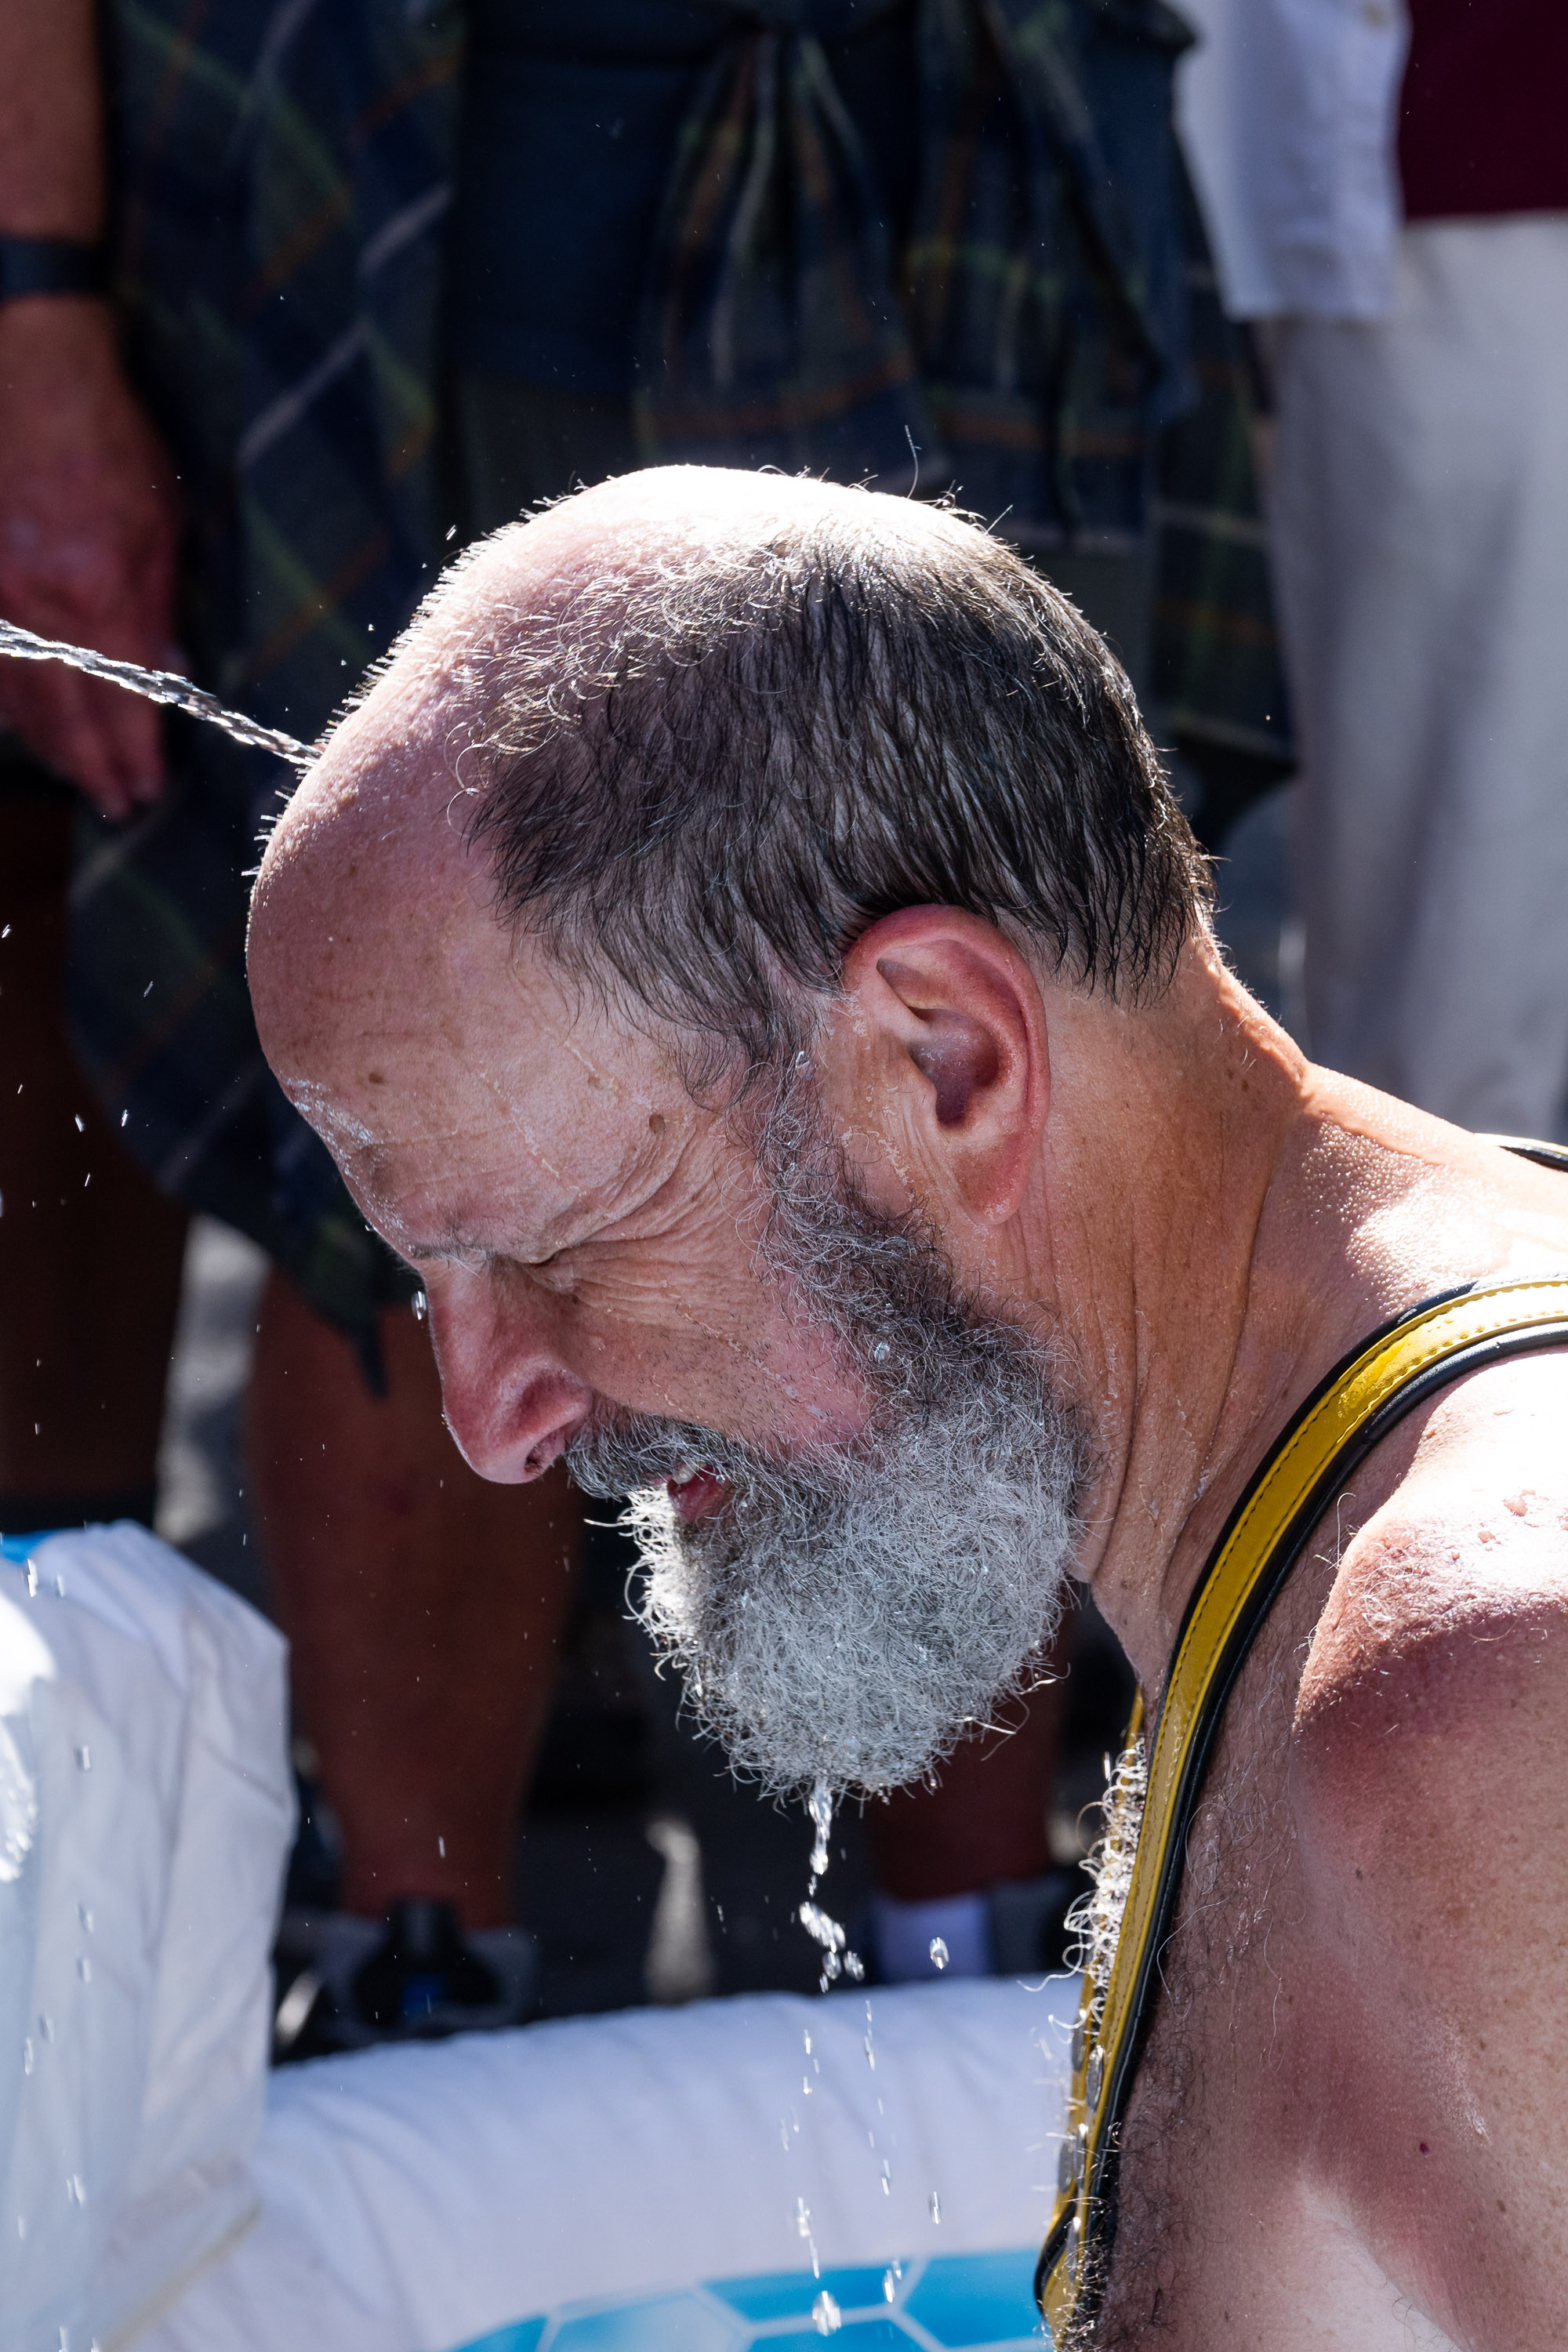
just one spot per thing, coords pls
(1391, 194)
(377, 300)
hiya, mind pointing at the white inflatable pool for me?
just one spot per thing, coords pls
(758, 2172)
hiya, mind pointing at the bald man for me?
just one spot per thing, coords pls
(743, 952)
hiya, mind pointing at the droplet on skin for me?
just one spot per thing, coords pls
(939, 1955)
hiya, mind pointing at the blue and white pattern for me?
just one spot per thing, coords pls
(950, 2303)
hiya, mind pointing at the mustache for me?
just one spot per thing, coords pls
(620, 1453)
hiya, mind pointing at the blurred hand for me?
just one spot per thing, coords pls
(89, 526)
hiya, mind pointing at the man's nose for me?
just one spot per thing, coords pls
(510, 1403)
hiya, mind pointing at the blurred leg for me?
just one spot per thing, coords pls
(963, 1875)
(89, 1252)
(985, 1820)
(1421, 552)
(423, 1604)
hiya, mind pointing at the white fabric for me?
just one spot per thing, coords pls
(1288, 116)
(1420, 511)
(145, 1811)
(415, 2198)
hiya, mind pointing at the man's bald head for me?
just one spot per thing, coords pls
(689, 773)
(702, 727)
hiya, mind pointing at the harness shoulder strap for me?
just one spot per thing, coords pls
(1350, 1412)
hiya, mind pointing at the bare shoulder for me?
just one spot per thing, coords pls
(1443, 1649)
(1430, 1797)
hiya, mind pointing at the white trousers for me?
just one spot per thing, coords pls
(1420, 510)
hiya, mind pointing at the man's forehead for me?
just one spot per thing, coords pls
(490, 1104)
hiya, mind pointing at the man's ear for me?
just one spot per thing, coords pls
(951, 1029)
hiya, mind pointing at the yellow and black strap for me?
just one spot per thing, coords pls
(1356, 1407)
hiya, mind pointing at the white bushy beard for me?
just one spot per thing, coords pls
(852, 1609)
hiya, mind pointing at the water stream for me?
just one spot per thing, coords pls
(838, 1959)
(157, 686)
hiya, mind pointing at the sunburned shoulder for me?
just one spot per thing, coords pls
(1446, 1626)
(1431, 1809)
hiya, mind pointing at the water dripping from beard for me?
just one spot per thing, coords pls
(852, 1609)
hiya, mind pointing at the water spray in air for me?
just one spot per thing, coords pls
(838, 1959)
(156, 686)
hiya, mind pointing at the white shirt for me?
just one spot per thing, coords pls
(1287, 112)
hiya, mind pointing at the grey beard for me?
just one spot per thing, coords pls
(854, 1607)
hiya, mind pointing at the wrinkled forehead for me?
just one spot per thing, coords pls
(474, 1096)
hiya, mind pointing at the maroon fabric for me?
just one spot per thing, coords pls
(1483, 121)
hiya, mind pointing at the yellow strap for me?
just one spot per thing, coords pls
(1374, 1380)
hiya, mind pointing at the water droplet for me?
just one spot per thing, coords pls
(887, 2178)
(881, 1352)
(803, 2217)
(421, 1305)
(46, 2026)
(890, 2278)
(84, 1968)
(441, 1847)
(59, 1588)
(937, 1953)
(826, 2316)
(84, 1757)
(935, 2207)
(76, 2190)
(32, 1580)
(27, 2054)
(85, 1915)
(819, 1805)
(124, 1117)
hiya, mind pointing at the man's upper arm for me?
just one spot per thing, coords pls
(1430, 1782)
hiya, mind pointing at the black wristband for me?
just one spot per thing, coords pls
(50, 264)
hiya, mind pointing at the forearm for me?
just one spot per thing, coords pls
(51, 119)
(88, 520)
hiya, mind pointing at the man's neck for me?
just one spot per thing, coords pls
(1210, 1266)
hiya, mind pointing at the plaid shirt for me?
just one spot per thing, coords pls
(283, 176)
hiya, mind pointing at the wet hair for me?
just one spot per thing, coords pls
(703, 781)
